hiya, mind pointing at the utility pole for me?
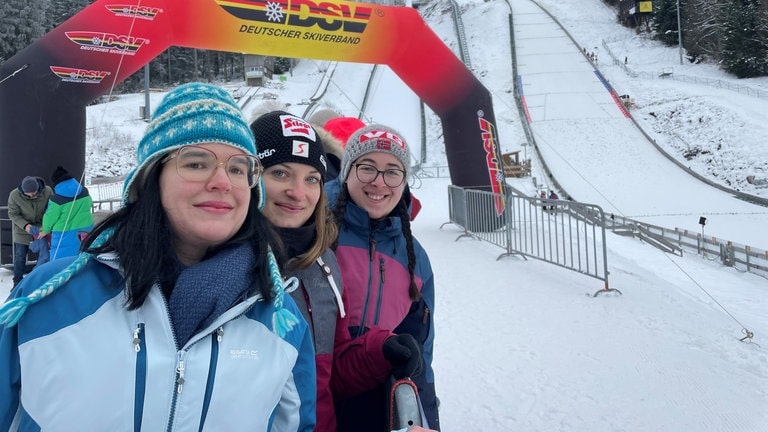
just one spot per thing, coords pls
(146, 92)
(679, 34)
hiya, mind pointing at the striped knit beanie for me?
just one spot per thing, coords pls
(374, 138)
(194, 113)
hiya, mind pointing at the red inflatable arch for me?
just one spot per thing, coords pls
(49, 83)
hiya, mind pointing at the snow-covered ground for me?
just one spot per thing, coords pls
(519, 345)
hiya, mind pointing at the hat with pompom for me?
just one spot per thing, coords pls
(194, 113)
(284, 138)
(374, 138)
(343, 127)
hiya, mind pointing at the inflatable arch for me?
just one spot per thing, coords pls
(47, 85)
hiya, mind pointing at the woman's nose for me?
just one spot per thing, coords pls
(297, 190)
(220, 179)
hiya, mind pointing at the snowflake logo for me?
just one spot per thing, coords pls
(274, 12)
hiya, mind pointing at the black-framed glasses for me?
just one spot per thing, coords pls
(198, 164)
(366, 173)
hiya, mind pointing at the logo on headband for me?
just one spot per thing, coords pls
(296, 127)
(384, 139)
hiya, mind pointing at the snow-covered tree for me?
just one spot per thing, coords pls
(702, 28)
(21, 23)
(664, 21)
(745, 38)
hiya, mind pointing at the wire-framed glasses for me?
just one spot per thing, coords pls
(366, 173)
(198, 164)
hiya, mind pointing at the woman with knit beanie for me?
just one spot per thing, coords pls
(295, 169)
(387, 274)
(174, 315)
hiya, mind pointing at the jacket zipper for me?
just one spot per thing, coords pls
(180, 368)
(215, 344)
(380, 294)
(309, 309)
(179, 387)
(140, 379)
(372, 253)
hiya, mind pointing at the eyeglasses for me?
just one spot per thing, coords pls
(366, 173)
(198, 164)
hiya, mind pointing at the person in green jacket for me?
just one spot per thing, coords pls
(69, 214)
(26, 206)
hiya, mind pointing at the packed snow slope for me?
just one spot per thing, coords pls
(598, 154)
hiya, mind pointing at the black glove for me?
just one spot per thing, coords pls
(403, 353)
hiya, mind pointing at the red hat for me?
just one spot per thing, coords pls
(343, 127)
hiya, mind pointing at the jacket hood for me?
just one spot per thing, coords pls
(70, 188)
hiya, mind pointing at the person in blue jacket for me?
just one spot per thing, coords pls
(174, 316)
(69, 214)
(387, 275)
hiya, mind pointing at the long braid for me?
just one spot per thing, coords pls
(12, 310)
(338, 210)
(405, 221)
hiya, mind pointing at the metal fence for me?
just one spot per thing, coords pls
(730, 254)
(106, 191)
(6, 238)
(564, 233)
(572, 235)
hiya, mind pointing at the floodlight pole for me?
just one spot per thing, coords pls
(679, 34)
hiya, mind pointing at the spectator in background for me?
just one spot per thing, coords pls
(343, 127)
(26, 206)
(553, 196)
(69, 215)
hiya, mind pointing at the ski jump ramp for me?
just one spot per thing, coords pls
(596, 152)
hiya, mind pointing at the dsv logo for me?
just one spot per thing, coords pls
(348, 17)
(107, 40)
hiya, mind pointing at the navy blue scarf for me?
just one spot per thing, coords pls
(207, 289)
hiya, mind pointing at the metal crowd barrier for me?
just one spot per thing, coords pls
(572, 235)
(6, 238)
(564, 233)
(105, 191)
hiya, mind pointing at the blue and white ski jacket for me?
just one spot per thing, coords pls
(79, 360)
